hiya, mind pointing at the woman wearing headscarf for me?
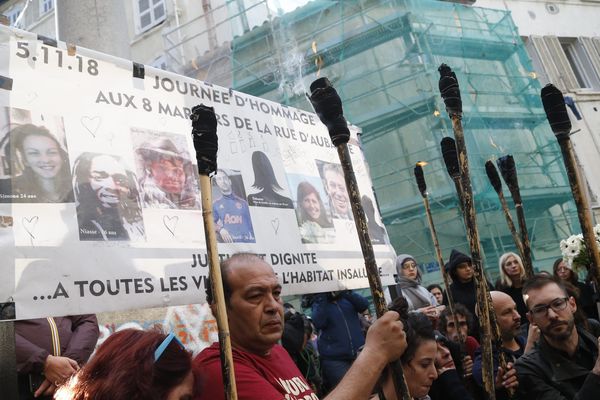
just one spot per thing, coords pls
(409, 282)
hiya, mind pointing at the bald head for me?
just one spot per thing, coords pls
(509, 320)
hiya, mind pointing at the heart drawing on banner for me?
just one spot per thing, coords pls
(275, 224)
(91, 124)
(29, 225)
(350, 226)
(170, 223)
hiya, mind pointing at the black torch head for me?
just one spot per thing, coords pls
(328, 106)
(556, 110)
(420, 179)
(450, 157)
(450, 90)
(508, 170)
(204, 133)
(493, 176)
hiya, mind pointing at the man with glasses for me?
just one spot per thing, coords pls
(565, 363)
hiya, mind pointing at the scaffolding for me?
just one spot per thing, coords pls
(382, 57)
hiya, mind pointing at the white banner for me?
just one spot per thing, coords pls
(99, 202)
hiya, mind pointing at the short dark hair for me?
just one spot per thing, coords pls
(538, 281)
(225, 268)
(459, 309)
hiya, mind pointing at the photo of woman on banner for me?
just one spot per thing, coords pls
(230, 211)
(167, 178)
(335, 186)
(313, 219)
(266, 182)
(108, 201)
(37, 165)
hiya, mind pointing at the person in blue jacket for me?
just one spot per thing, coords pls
(335, 316)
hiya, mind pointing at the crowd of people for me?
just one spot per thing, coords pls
(335, 351)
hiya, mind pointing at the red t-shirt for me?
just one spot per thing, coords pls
(471, 344)
(273, 377)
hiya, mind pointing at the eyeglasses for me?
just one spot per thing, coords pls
(165, 343)
(409, 265)
(556, 305)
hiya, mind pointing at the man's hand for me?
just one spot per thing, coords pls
(467, 366)
(225, 236)
(47, 388)
(386, 339)
(508, 379)
(533, 334)
(58, 369)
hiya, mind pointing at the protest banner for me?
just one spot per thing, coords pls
(99, 198)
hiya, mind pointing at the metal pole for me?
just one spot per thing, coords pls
(204, 132)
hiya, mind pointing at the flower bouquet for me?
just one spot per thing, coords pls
(574, 250)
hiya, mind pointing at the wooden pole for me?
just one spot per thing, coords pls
(494, 178)
(204, 133)
(556, 111)
(509, 173)
(328, 107)
(451, 94)
(420, 178)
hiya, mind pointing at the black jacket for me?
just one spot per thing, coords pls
(546, 373)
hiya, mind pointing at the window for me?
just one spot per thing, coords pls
(150, 13)
(13, 15)
(160, 62)
(46, 6)
(580, 64)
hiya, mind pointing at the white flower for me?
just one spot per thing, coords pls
(597, 231)
(573, 250)
(563, 246)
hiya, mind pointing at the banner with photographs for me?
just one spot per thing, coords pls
(99, 193)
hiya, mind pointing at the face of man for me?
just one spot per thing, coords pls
(108, 179)
(555, 322)
(255, 309)
(336, 190)
(452, 332)
(509, 320)
(223, 183)
(169, 175)
(439, 296)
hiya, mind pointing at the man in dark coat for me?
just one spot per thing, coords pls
(565, 363)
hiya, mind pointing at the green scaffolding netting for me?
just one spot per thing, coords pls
(382, 57)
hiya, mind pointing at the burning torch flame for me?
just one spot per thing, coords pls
(422, 163)
(436, 113)
(318, 58)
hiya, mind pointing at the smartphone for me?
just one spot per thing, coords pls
(35, 381)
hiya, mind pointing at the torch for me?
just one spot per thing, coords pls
(204, 133)
(328, 106)
(554, 105)
(420, 178)
(450, 156)
(450, 92)
(494, 178)
(507, 168)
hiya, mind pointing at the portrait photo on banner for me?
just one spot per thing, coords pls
(332, 176)
(231, 213)
(166, 176)
(34, 159)
(271, 192)
(313, 214)
(108, 199)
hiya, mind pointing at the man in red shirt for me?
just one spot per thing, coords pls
(263, 369)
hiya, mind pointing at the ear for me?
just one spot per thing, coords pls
(573, 304)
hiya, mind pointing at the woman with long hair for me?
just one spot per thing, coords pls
(512, 277)
(132, 365)
(39, 167)
(266, 182)
(315, 226)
